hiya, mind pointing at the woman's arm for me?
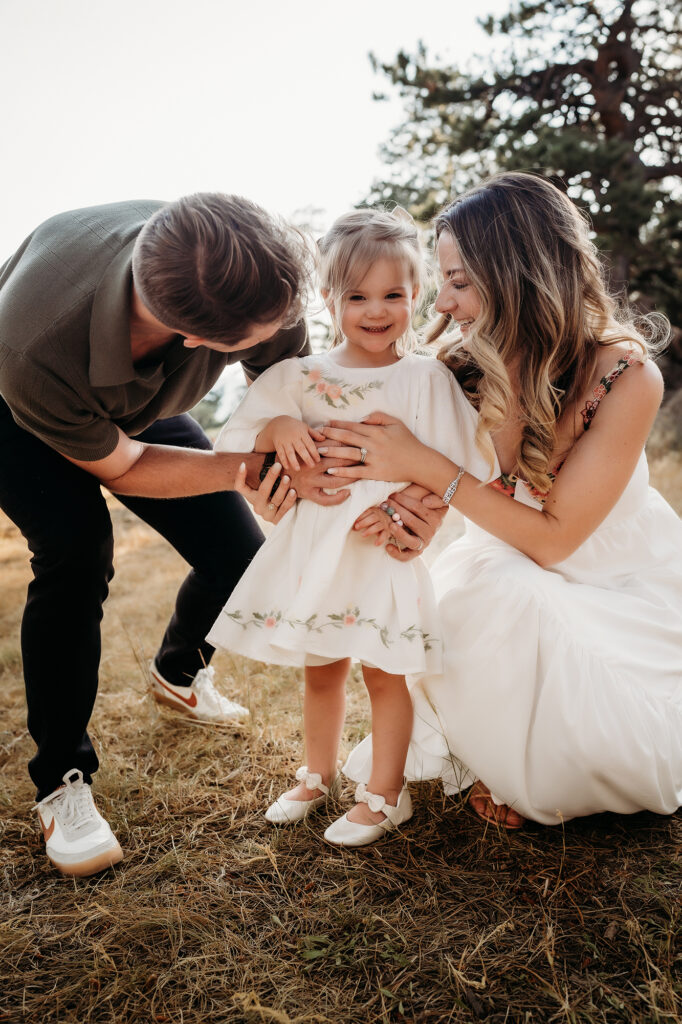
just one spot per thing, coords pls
(592, 478)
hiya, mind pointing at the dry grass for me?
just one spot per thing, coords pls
(214, 917)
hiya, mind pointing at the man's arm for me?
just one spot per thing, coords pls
(163, 471)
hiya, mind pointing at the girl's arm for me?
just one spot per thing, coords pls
(592, 478)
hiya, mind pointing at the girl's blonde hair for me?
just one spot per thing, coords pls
(544, 304)
(353, 243)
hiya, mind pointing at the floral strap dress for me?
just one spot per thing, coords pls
(561, 687)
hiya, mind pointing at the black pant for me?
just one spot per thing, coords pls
(62, 513)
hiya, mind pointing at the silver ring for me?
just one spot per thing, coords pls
(363, 456)
(271, 507)
(421, 544)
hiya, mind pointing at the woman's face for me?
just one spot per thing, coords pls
(457, 295)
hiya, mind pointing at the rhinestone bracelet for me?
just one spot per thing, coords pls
(452, 488)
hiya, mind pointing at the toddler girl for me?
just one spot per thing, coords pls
(318, 593)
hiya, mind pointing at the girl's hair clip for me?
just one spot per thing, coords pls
(400, 213)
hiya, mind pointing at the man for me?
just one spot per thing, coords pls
(114, 321)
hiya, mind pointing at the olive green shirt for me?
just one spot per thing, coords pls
(66, 369)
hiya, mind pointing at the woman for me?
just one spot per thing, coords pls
(562, 604)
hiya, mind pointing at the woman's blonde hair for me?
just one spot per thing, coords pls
(353, 243)
(544, 303)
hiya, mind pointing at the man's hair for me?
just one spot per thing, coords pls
(215, 265)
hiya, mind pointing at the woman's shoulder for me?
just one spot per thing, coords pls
(631, 381)
(614, 362)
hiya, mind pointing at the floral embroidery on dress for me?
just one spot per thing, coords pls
(604, 386)
(337, 392)
(349, 618)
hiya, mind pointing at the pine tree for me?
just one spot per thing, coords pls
(588, 91)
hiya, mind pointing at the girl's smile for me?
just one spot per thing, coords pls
(376, 314)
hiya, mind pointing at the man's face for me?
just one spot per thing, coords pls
(256, 336)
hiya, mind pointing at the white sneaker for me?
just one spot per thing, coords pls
(200, 700)
(78, 840)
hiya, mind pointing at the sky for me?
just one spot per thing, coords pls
(106, 100)
(114, 99)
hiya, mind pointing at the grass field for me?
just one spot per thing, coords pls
(214, 917)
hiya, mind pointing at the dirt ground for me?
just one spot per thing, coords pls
(212, 917)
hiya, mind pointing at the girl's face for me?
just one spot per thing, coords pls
(457, 296)
(378, 312)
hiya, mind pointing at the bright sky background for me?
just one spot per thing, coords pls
(151, 99)
(114, 99)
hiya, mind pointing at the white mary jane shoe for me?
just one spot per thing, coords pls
(286, 812)
(343, 832)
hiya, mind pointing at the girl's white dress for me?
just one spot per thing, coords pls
(561, 688)
(316, 587)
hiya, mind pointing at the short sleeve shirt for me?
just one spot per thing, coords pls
(66, 369)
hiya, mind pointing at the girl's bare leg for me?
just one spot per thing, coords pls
(391, 731)
(324, 709)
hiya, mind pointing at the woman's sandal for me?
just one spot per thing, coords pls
(480, 795)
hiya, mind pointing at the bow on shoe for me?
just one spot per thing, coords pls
(374, 801)
(312, 780)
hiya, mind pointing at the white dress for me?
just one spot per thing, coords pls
(561, 688)
(317, 588)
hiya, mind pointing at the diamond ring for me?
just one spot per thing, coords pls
(363, 456)
(271, 507)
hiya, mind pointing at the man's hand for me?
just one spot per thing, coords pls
(310, 482)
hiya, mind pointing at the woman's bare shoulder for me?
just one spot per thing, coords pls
(625, 381)
(613, 359)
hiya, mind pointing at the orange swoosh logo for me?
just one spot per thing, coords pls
(190, 701)
(47, 832)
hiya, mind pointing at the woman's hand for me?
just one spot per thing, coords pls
(381, 446)
(273, 507)
(414, 522)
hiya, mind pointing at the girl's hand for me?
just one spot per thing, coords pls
(390, 449)
(416, 517)
(274, 508)
(378, 524)
(293, 439)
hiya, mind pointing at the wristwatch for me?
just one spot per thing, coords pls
(268, 462)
